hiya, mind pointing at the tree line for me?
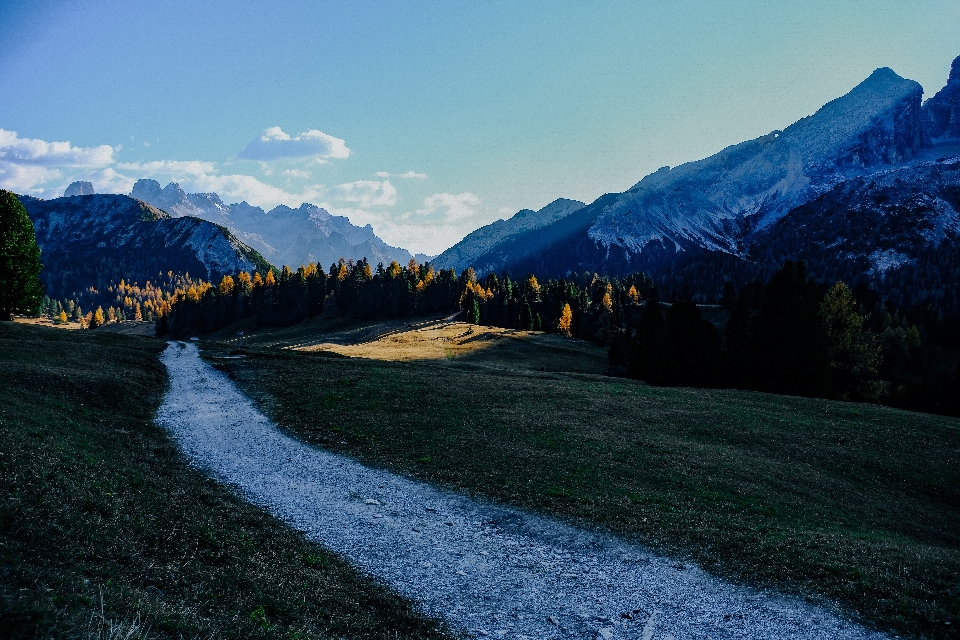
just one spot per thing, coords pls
(790, 334)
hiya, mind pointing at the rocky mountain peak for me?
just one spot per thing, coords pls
(79, 188)
(941, 113)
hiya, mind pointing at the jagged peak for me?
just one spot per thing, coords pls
(954, 71)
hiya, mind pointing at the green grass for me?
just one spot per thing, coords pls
(838, 502)
(104, 527)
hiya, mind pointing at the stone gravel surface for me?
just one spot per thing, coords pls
(490, 571)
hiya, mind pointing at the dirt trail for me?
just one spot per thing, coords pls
(488, 570)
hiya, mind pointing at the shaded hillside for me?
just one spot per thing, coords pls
(898, 230)
(468, 252)
(98, 240)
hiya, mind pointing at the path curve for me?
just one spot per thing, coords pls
(487, 570)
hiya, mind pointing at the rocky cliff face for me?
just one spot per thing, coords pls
(941, 113)
(90, 240)
(283, 235)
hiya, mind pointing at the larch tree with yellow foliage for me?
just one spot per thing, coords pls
(97, 320)
(565, 324)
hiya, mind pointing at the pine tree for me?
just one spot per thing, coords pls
(63, 317)
(790, 335)
(854, 353)
(474, 315)
(526, 317)
(20, 288)
(737, 347)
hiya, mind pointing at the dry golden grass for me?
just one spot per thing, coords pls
(46, 322)
(439, 341)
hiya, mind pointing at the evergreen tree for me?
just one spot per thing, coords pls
(20, 288)
(651, 360)
(694, 343)
(738, 361)
(790, 336)
(474, 315)
(854, 353)
(526, 317)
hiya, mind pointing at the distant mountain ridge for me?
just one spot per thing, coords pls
(477, 243)
(720, 210)
(97, 240)
(283, 235)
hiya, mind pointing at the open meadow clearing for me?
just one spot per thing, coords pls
(836, 501)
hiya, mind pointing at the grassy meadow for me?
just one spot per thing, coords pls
(105, 532)
(838, 502)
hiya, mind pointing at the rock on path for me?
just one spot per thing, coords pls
(488, 570)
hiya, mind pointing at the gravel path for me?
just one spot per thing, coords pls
(488, 570)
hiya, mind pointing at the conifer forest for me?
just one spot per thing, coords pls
(791, 334)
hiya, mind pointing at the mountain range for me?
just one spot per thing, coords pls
(97, 240)
(865, 189)
(284, 236)
(732, 215)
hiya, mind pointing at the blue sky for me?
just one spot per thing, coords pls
(426, 119)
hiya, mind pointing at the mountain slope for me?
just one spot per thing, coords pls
(713, 202)
(283, 235)
(898, 229)
(483, 240)
(712, 220)
(96, 240)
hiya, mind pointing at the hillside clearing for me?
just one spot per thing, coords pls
(853, 503)
(485, 569)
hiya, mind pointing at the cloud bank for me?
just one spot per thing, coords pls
(368, 193)
(30, 151)
(274, 144)
(43, 169)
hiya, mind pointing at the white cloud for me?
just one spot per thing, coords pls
(451, 207)
(26, 178)
(109, 181)
(274, 144)
(369, 193)
(408, 175)
(22, 151)
(443, 221)
(237, 187)
(297, 173)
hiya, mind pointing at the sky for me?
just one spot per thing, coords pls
(426, 119)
